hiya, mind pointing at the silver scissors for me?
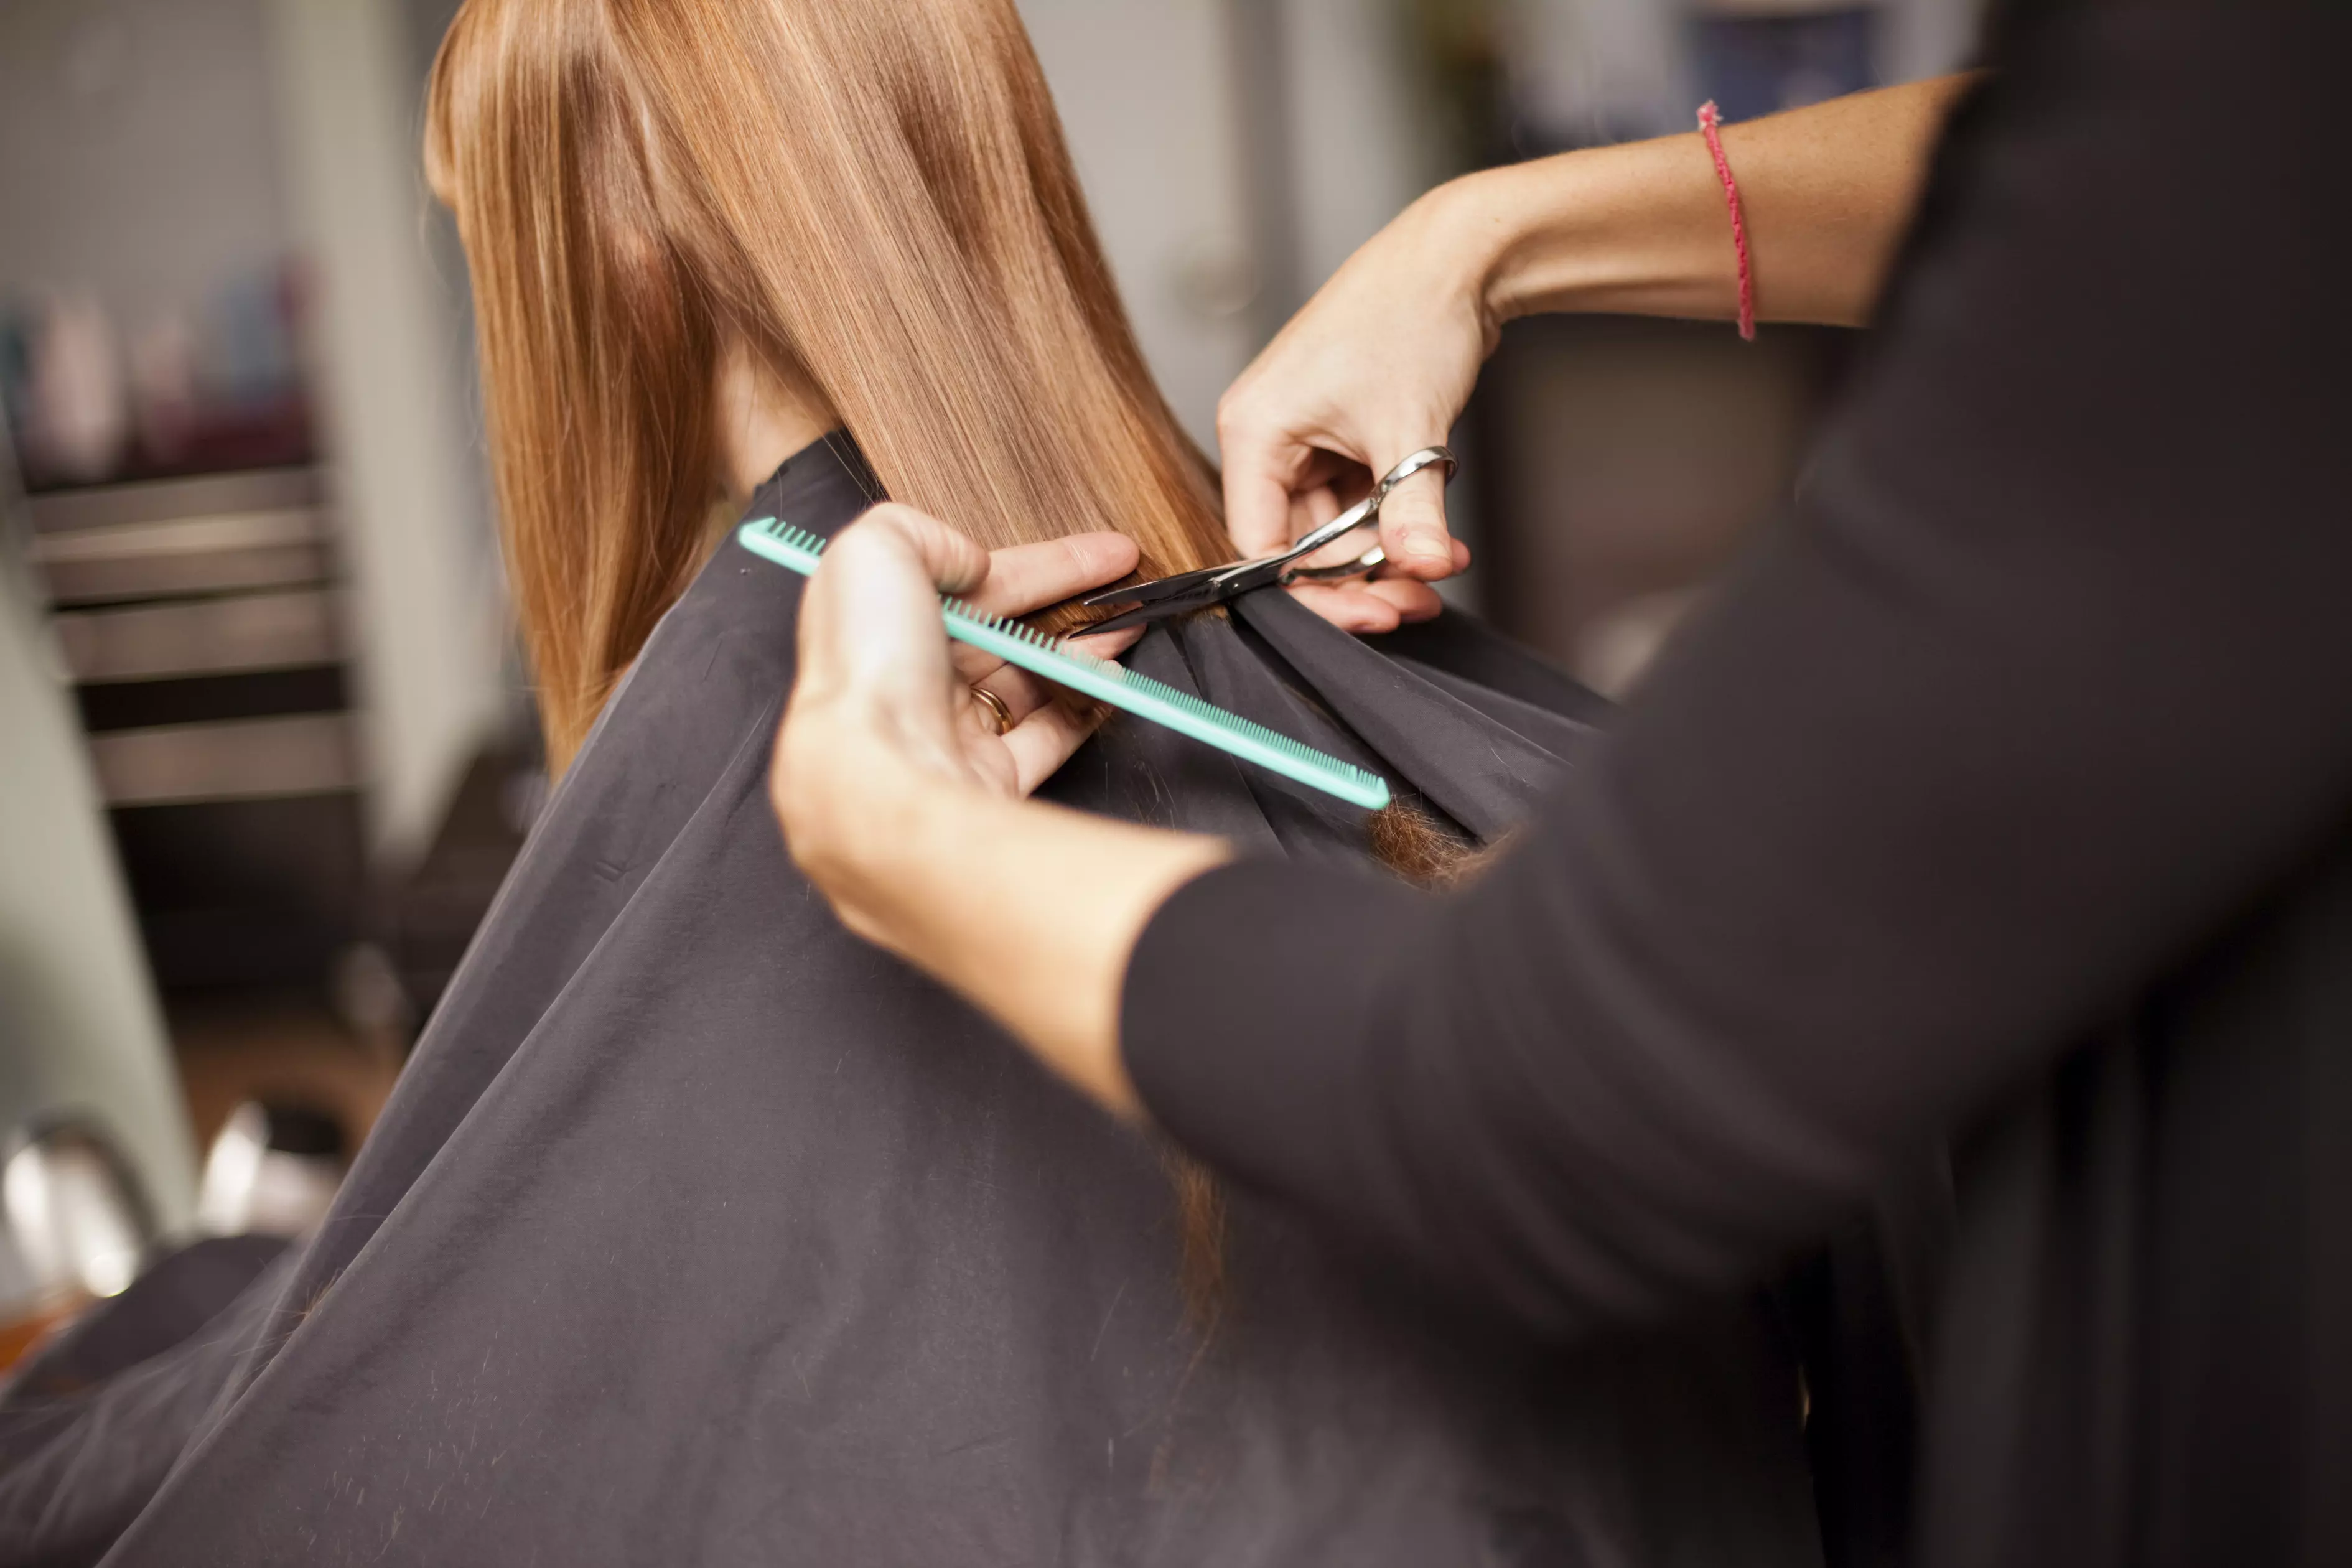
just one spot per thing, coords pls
(1189, 591)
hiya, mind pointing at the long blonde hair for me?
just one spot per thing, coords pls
(870, 196)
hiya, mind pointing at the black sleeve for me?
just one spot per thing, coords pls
(2050, 672)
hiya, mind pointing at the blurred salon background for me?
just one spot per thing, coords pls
(265, 748)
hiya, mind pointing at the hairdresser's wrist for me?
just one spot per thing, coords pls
(1636, 229)
(1030, 911)
(850, 799)
(1827, 193)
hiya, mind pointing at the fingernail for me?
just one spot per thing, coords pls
(1428, 550)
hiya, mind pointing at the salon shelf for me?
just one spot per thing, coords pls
(205, 625)
(153, 501)
(170, 557)
(175, 538)
(202, 636)
(248, 759)
(204, 621)
(213, 698)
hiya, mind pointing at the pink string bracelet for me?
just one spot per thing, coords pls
(1709, 119)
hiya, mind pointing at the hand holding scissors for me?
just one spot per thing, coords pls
(1189, 591)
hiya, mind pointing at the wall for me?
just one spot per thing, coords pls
(153, 150)
(395, 402)
(137, 154)
(1145, 92)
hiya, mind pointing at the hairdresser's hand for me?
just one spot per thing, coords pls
(1377, 366)
(883, 692)
(883, 733)
(901, 802)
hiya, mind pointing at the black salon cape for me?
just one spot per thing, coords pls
(698, 1231)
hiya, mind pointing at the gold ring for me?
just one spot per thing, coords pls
(996, 708)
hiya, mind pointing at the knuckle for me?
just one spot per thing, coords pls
(897, 517)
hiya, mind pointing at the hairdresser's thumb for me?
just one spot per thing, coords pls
(1413, 527)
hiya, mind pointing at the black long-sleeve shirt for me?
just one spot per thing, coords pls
(2004, 795)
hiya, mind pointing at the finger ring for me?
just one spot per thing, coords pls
(1412, 464)
(996, 708)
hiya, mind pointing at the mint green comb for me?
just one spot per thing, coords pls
(775, 540)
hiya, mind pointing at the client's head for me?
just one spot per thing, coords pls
(870, 202)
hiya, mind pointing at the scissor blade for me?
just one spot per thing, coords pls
(1159, 588)
(1236, 576)
(1211, 588)
(1144, 614)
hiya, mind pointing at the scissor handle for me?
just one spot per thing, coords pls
(1218, 582)
(1188, 591)
(1363, 565)
(1367, 510)
(1409, 464)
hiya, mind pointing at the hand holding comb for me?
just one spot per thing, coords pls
(772, 539)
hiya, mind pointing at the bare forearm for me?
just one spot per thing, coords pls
(904, 805)
(1028, 910)
(1827, 194)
